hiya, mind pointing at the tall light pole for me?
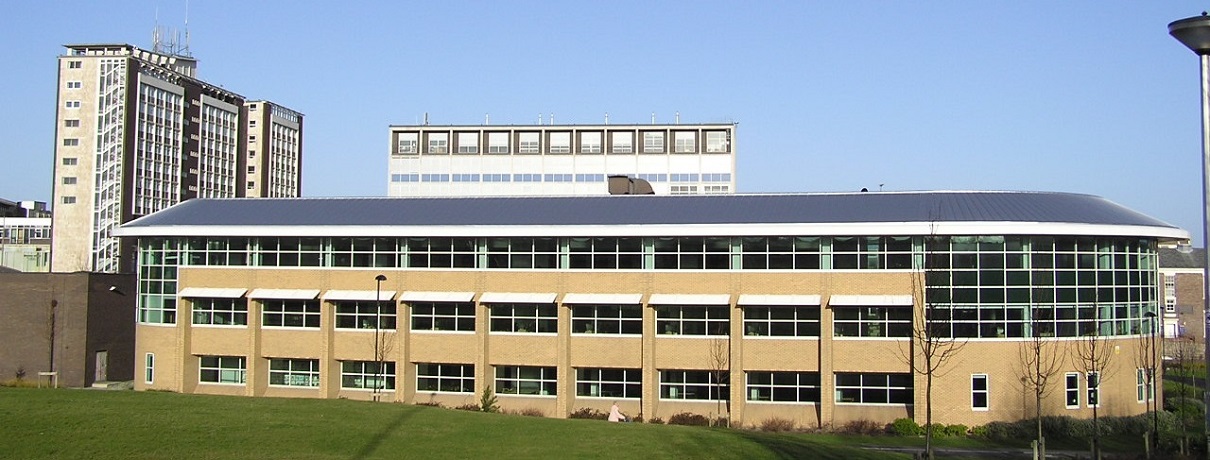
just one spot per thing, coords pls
(1194, 33)
(378, 352)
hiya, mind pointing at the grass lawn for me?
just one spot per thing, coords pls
(44, 423)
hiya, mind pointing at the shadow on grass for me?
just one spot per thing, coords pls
(793, 447)
(382, 434)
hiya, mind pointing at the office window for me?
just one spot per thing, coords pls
(251, 185)
(497, 143)
(653, 142)
(69, 180)
(1144, 388)
(251, 154)
(443, 316)
(979, 392)
(77, 65)
(872, 321)
(71, 142)
(220, 312)
(605, 253)
(223, 369)
(692, 253)
(69, 200)
(794, 387)
(873, 388)
(468, 142)
(407, 143)
(367, 375)
(590, 142)
(692, 320)
(72, 104)
(149, 368)
(252, 169)
(1094, 389)
(351, 314)
(609, 383)
(523, 252)
(529, 143)
(1071, 384)
(717, 142)
(252, 138)
(72, 123)
(697, 385)
(290, 313)
(75, 85)
(524, 317)
(606, 319)
(294, 372)
(526, 380)
(782, 321)
(252, 123)
(560, 142)
(445, 378)
(622, 142)
(684, 142)
(439, 143)
(70, 161)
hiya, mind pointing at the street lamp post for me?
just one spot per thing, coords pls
(378, 380)
(1194, 33)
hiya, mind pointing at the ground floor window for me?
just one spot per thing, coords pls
(609, 382)
(1071, 384)
(367, 375)
(450, 378)
(363, 315)
(979, 392)
(873, 388)
(294, 372)
(1094, 389)
(1144, 387)
(701, 385)
(802, 387)
(223, 369)
(149, 369)
(526, 380)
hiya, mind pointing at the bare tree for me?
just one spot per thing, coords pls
(933, 342)
(1092, 354)
(1184, 350)
(1040, 361)
(1146, 358)
(720, 371)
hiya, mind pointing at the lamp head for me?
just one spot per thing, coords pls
(1192, 32)
(380, 278)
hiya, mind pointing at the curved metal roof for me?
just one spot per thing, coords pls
(828, 210)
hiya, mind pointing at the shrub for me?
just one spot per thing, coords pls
(656, 421)
(487, 400)
(689, 419)
(862, 427)
(431, 404)
(777, 424)
(905, 427)
(979, 431)
(588, 413)
(469, 407)
(531, 412)
(954, 430)
(18, 383)
(20, 373)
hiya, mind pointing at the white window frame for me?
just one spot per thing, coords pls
(408, 143)
(676, 383)
(529, 142)
(778, 318)
(521, 321)
(590, 142)
(497, 143)
(684, 142)
(671, 320)
(468, 142)
(438, 143)
(540, 381)
(149, 368)
(779, 383)
(298, 373)
(359, 378)
(621, 142)
(460, 376)
(597, 382)
(560, 142)
(71, 123)
(227, 370)
(363, 313)
(586, 319)
(285, 308)
(212, 308)
(863, 387)
(716, 142)
(653, 142)
(71, 161)
(443, 316)
(1094, 391)
(1069, 390)
(985, 392)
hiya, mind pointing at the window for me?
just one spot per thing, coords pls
(653, 142)
(69, 180)
(407, 143)
(872, 321)
(979, 392)
(251, 154)
(294, 372)
(692, 320)
(524, 317)
(440, 252)
(1144, 389)
(224, 312)
(446, 378)
(689, 253)
(439, 143)
(609, 383)
(362, 314)
(75, 85)
(223, 369)
(497, 143)
(872, 252)
(70, 161)
(610, 253)
(700, 385)
(717, 142)
(443, 316)
(623, 142)
(149, 368)
(251, 169)
(72, 123)
(606, 319)
(590, 142)
(290, 313)
(366, 375)
(523, 252)
(69, 200)
(529, 143)
(684, 142)
(77, 65)
(468, 142)
(1071, 383)
(780, 253)
(560, 142)
(782, 321)
(252, 123)
(873, 388)
(72, 104)
(71, 142)
(1094, 389)
(799, 387)
(526, 380)
(252, 138)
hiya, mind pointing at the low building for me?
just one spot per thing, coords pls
(805, 307)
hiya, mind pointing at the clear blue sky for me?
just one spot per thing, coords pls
(1078, 96)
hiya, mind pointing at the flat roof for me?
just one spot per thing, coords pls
(866, 213)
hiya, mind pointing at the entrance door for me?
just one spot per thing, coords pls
(102, 366)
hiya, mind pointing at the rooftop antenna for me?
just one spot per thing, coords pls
(607, 118)
(426, 118)
(653, 118)
(487, 118)
(678, 117)
(185, 49)
(552, 118)
(539, 119)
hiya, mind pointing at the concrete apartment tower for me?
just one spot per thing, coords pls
(136, 131)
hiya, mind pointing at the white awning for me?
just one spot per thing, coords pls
(517, 297)
(215, 293)
(690, 299)
(616, 299)
(431, 296)
(293, 294)
(367, 296)
(771, 300)
(871, 301)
